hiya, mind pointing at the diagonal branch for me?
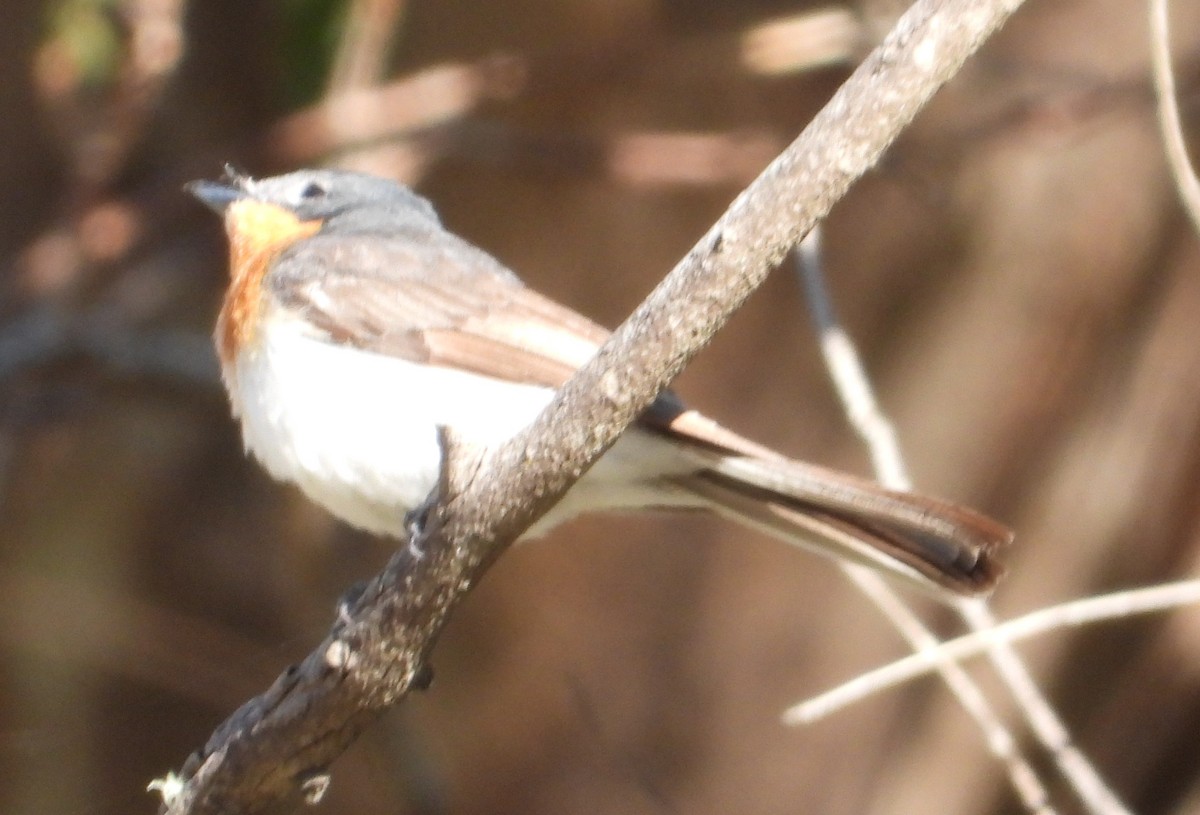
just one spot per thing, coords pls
(276, 749)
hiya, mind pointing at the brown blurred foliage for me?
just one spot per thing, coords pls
(1019, 273)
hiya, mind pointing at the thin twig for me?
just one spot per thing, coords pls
(1044, 720)
(876, 431)
(853, 386)
(1073, 614)
(1168, 113)
(849, 376)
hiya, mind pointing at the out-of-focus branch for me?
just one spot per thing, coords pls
(1089, 610)
(804, 42)
(363, 116)
(874, 428)
(100, 138)
(44, 336)
(278, 747)
(877, 432)
(362, 53)
(1168, 113)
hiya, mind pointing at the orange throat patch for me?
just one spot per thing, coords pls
(258, 232)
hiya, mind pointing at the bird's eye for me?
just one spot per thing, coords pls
(312, 190)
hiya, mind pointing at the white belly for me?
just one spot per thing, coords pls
(357, 432)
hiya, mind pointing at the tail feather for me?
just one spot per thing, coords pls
(932, 544)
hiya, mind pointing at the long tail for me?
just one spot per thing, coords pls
(933, 544)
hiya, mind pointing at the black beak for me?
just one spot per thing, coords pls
(215, 195)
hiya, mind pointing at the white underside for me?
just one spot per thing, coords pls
(357, 431)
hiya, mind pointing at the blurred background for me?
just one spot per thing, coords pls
(1020, 275)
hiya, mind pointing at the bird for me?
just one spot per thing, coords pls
(355, 325)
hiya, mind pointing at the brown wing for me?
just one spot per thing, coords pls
(436, 299)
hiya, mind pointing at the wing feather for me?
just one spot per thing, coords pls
(437, 300)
